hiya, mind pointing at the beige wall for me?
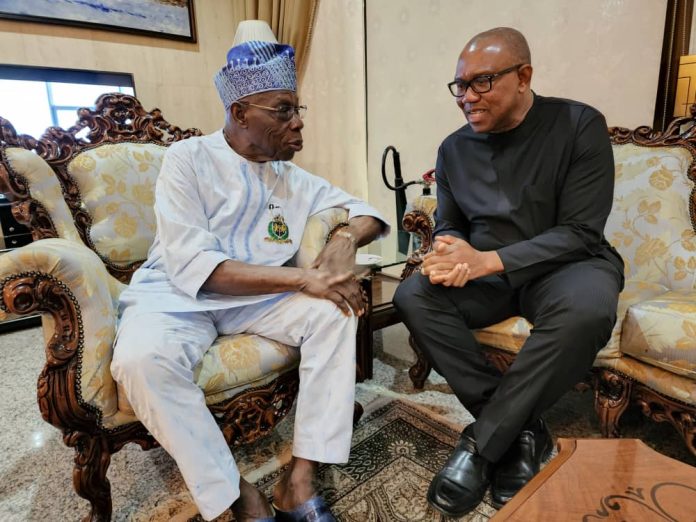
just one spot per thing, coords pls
(177, 77)
(173, 76)
(581, 50)
(603, 52)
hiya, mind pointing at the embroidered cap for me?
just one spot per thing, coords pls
(256, 63)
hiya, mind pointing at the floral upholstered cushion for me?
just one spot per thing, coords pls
(662, 332)
(662, 381)
(633, 292)
(237, 361)
(649, 223)
(44, 188)
(316, 233)
(117, 184)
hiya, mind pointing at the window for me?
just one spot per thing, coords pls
(34, 98)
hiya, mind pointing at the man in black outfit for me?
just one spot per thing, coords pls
(523, 194)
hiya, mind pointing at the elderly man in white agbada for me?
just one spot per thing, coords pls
(231, 210)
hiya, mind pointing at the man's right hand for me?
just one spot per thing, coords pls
(342, 289)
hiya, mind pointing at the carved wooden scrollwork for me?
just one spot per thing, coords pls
(9, 136)
(664, 409)
(418, 373)
(36, 293)
(92, 459)
(417, 222)
(615, 391)
(58, 389)
(25, 210)
(612, 394)
(253, 413)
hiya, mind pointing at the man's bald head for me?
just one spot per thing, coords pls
(492, 80)
(506, 39)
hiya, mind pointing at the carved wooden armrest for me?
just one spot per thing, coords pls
(58, 277)
(418, 222)
(69, 283)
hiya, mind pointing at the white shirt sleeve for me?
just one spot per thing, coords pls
(190, 251)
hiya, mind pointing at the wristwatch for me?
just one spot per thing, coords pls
(347, 235)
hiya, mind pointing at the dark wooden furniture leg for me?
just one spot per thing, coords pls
(421, 368)
(612, 394)
(363, 355)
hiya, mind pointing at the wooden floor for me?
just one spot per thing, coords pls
(606, 479)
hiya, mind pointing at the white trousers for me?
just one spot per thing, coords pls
(154, 358)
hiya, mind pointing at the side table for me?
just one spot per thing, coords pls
(606, 479)
(379, 288)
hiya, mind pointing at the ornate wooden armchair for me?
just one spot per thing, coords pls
(650, 359)
(88, 201)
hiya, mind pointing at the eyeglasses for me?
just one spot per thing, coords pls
(481, 84)
(284, 112)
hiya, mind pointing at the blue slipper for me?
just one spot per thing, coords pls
(313, 510)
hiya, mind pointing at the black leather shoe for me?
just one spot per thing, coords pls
(521, 462)
(463, 481)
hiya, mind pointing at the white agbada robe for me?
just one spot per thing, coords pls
(212, 205)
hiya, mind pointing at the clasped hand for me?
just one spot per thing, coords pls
(343, 289)
(451, 262)
(331, 277)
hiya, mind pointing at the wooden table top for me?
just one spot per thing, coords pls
(606, 479)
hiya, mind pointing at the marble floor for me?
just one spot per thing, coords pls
(35, 465)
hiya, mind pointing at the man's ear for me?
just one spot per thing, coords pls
(238, 114)
(525, 76)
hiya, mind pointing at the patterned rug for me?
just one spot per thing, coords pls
(396, 450)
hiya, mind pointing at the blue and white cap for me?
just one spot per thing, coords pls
(256, 65)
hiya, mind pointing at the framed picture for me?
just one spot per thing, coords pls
(160, 18)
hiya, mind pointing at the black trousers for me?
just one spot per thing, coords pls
(573, 310)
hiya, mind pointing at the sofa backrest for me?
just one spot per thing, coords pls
(653, 216)
(97, 188)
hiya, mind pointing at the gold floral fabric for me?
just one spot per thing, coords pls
(237, 361)
(45, 188)
(633, 292)
(649, 223)
(662, 332)
(662, 381)
(117, 184)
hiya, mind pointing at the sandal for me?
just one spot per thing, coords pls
(312, 510)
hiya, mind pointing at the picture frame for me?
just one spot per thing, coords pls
(172, 19)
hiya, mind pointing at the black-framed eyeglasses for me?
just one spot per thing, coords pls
(480, 84)
(282, 112)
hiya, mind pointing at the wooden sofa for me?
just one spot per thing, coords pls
(650, 359)
(88, 202)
